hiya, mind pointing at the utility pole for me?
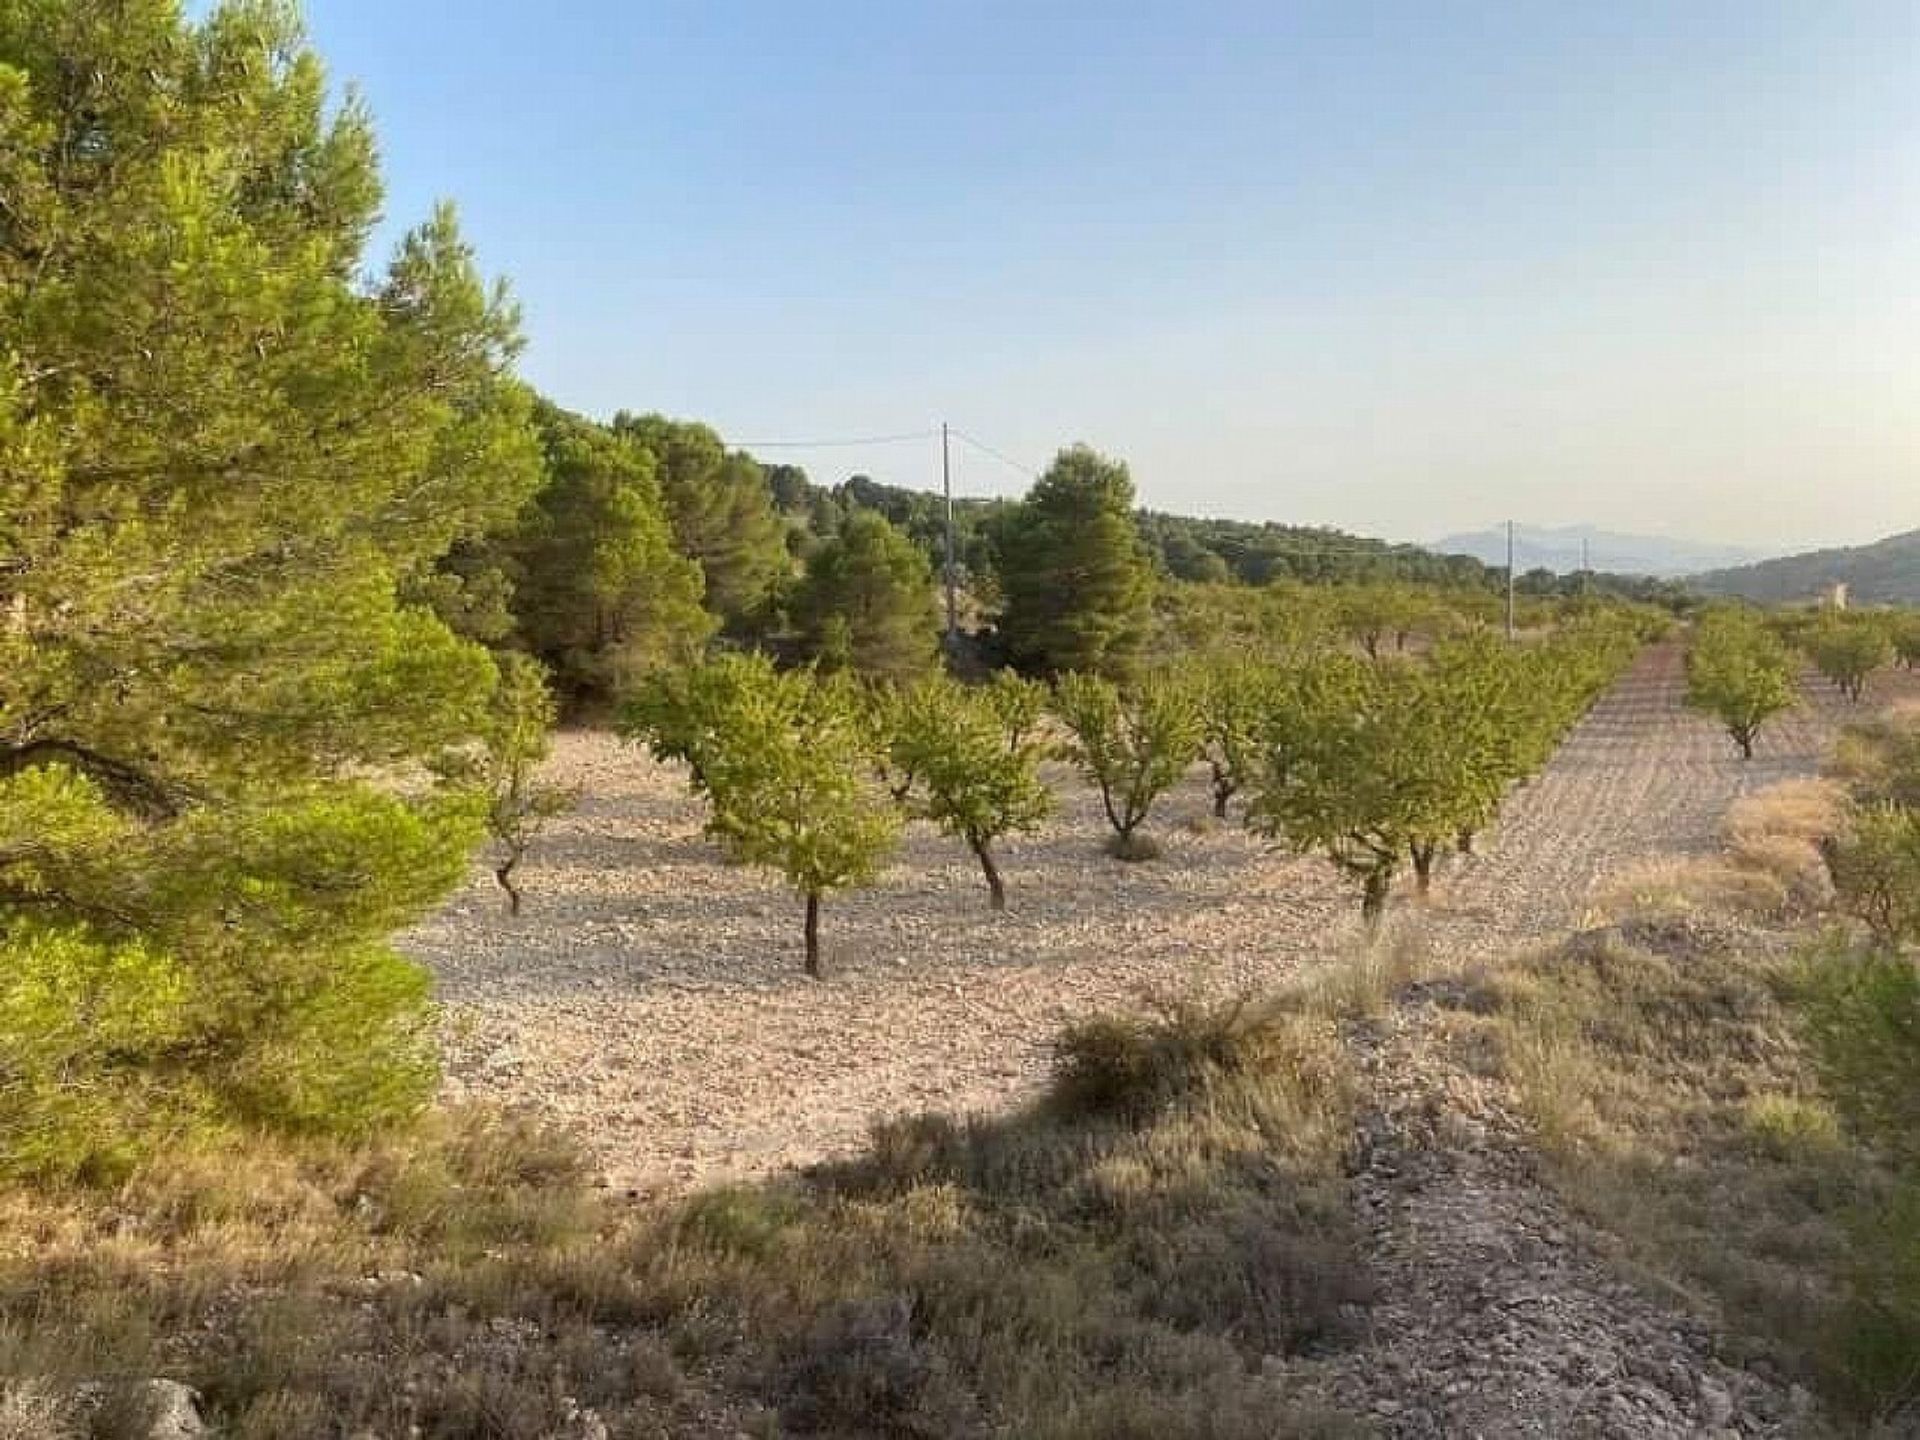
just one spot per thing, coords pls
(1509, 580)
(946, 489)
(1586, 569)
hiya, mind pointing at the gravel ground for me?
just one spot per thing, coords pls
(651, 996)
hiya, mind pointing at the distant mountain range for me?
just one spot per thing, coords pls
(1559, 549)
(1885, 572)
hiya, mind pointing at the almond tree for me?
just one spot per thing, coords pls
(1231, 695)
(1132, 744)
(966, 776)
(1374, 769)
(1847, 649)
(1738, 673)
(503, 767)
(786, 764)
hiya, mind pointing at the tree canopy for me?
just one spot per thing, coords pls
(1738, 673)
(1077, 585)
(602, 593)
(867, 602)
(722, 512)
(223, 462)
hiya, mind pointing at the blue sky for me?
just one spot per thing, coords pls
(1403, 268)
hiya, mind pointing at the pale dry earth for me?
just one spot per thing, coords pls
(651, 996)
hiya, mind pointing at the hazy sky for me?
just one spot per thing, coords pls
(1402, 268)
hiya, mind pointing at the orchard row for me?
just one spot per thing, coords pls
(1743, 667)
(1379, 765)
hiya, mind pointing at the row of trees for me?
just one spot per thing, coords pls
(1380, 766)
(1743, 667)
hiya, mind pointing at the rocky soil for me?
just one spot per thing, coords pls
(652, 997)
(1497, 1314)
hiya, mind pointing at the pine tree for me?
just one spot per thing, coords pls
(1074, 571)
(867, 602)
(602, 592)
(222, 463)
(723, 515)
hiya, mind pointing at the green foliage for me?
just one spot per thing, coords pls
(1074, 574)
(604, 596)
(1233, 696)
(503, 768)
(1133, 744)
(1862, 1013)
(973, 773)
(1280, 621)
(1372, 615)
(722, 513)
(1848, 648)
(75, 1005)
(1739, 674)
(1903, 628)
(1376, 765)
(1876, 871)
(1019, 704)
(1366, 771)
(867, 602)
(785, 760)
(1258, 553)
(227, 474)
(682, 715)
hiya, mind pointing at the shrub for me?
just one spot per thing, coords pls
(1133, 1064)
(1876, 871)
(1863, 1013)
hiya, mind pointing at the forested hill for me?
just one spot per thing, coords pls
(1185, 547)
(1885, 572)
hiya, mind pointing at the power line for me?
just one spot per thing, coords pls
(848, 444)
(1004, 459)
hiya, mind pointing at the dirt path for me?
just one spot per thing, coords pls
(1497, 1312)
(651, 995)
(1497, 1315)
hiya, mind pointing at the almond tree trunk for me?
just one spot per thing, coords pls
(996, 890)
(813, 935)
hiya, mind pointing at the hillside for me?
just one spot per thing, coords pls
(1560, 549)
(1887, 571)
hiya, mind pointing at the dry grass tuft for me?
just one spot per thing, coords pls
(1779, 832)
(1363, 982)
(1680, 888)
(1095, 1264)
(1805, 810)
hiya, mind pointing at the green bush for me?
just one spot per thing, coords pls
(1876, 872)
(1131, 1065)
(1863, 1016)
